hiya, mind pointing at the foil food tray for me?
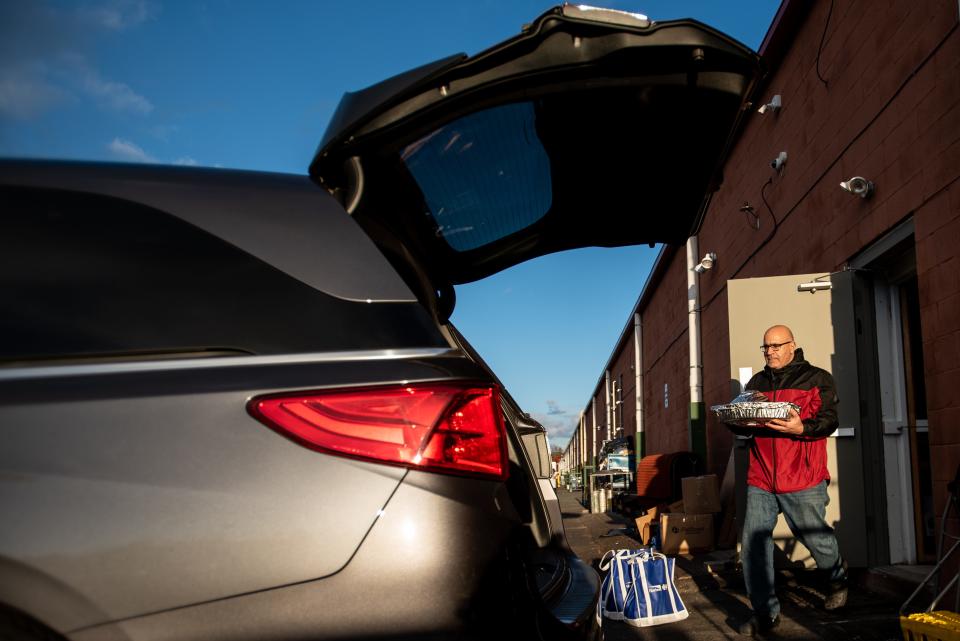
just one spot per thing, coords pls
(753, 413)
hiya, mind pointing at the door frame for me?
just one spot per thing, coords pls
(884, 388)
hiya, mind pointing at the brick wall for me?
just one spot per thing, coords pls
(666, 360)
(889, 111)
(623, 365)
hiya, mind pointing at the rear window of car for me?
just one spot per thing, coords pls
(83, 275)
(481, 180)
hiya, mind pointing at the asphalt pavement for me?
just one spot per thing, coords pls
(711, 587)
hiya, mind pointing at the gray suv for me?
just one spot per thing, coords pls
(232, 405)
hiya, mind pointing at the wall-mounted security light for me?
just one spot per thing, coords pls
(858, 186)
(705, 263)
(773, 106)
(814, 286)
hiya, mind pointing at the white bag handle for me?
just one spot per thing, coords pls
(604, 561)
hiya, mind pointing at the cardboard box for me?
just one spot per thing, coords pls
(684, 533)
(676, 506)
(645, 520)
(701, 494)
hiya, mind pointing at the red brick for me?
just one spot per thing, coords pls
(940, 493)
(944, 428)
(945, 246)
(928, 320)
(943, 461)
(932, 219)
(938, 396)
(915, 92)
(904, 170)
(939, 433)
(941, 134)
(952, 192)
(941, 390)
(899, 203)
(948, 313)
(943, 170)
(946, 353)
(943, 96)
(898, 139)
(925, 261)
(947, 58)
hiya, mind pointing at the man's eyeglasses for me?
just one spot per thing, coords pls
(773, 347)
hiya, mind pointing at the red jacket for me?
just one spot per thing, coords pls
(786, 463)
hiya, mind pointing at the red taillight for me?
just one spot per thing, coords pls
(445, 428)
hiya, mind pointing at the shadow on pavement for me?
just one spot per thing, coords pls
(717, 600)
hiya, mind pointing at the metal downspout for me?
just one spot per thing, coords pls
(593, 411)
(697, 419)
(581, 453)
(609, 405)
(641, 447)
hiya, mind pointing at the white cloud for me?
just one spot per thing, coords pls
(117, 15)
(559, 428)
(126, 150)
(129, 151)
(114, 95)
(553, 408)
(45, 56)
(25, 91)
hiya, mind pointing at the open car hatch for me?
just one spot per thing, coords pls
(590, 128)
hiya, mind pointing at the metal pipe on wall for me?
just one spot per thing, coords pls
(638, 380)
(697, 422)
(593, 432)
(609, 403)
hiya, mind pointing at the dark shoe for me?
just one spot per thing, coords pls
(836, 596)
(758, 625)
(836, 592)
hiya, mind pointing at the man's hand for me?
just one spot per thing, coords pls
(790, 425)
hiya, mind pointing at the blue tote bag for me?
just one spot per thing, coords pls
(617, 582)
(652, 597)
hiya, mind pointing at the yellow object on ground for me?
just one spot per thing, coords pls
(931, 626)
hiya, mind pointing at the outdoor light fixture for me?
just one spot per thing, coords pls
(858, 186)
(706, 262)
(814, 286)
(773, 106)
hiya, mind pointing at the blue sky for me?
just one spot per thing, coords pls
(252, 85)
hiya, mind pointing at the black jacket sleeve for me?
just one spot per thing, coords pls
(827, 419)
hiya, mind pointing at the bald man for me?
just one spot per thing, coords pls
(788, 474)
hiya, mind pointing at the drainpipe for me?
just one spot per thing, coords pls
(697, 422)
(609, 405)
(574, 442)
(638, 389)
(593, 410)
(581, 452)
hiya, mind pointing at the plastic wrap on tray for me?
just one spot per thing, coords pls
(752, 409)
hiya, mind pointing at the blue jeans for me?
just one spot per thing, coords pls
(805, 512)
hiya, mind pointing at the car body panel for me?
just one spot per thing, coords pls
(577, 132)
(429, 521)
(147, 477)
(279, 218)
(92, 275)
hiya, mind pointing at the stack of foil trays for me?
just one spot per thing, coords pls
(752, 409)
